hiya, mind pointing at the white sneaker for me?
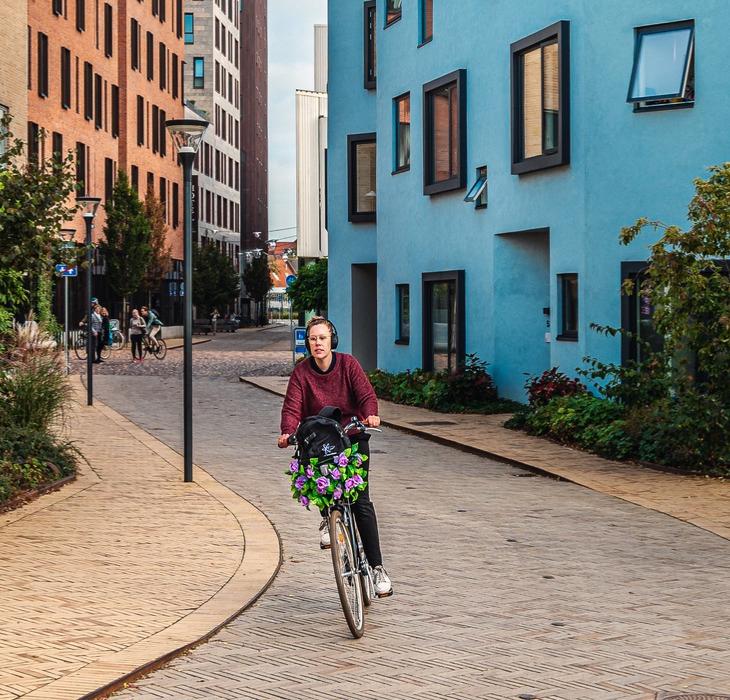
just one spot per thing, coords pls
(383, 586)
(324, 537)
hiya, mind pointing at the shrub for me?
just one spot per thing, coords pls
(551, 384)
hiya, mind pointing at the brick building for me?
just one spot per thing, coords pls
(254, 131)
(13, 67)
(103, 77)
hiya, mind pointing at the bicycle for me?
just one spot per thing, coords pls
(155, 346)
(79, 347)
(353, 574)
(118, 339)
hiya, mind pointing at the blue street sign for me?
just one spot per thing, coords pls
(300, 335)
(290, 279)
(66, 270)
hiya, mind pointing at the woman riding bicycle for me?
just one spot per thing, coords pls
(337, 379)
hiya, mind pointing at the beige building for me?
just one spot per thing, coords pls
(13, 67)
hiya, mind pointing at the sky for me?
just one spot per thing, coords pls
(291, 67)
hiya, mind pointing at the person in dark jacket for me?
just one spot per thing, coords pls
(102, 338)
(337, 379)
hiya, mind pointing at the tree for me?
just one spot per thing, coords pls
(688, 281)
(215, 280)
(309, 291)
(257, 278)
(160, 257)
(35, 202)
(127, 249)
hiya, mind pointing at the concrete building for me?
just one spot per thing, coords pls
(102, 79)
(254, 127)
(578, 117)
(311, 125)
(212, 89)
(14, 66)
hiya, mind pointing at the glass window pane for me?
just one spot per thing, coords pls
(443, 325)
(426, 20)
(453, 132)
(393, 11)
(441, 131)
(660, 63)
(365, 177)
(532, 103)
(403, 159)
(551, 96)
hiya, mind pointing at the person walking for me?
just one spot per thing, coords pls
(214, 316)
(96, 332)
(337, 379)
(137, 329)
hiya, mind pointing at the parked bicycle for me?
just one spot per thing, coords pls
(79, 346)
(118, 341)
(353, 574)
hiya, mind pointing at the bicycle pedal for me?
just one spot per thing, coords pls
(325, 546)
(384, 595)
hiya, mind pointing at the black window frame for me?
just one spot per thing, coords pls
(402, 338)
(155, 128)
(199, 81)
(370, 60)
(190, 33)
(162, 69)
(98, 100)
(115, 111)
(150, 39)
(108, 178)
(396, 134)
(134, 178)
(174, 77)
(428, 278)
(81, 15)
(163, 11)
(140, 120)
(57, 7)
(670, 101)
(178, 18)
(42, 64)
(569, 334)
(81, 168)
(560, 32)
(397, 14)
(134, 43)
(65, 78)
(88, 91)
(57, 147)
(34, 144)
(108, 30)
(163, 133)
(458, 181)
(353, 140)
(175, 205)
(479, 191)
(423, 38)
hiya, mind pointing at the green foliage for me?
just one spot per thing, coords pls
(549, 384)
(257, 278)
(471, 390)
(309, 291)
(35, 202)
(12, 297)
(215, 280)
(160, 252)
(127, 233)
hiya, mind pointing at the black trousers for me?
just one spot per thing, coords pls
(364, 511)
(136, 341)
(99, 345)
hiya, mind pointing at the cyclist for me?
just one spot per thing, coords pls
(337, 379)
(153, 325)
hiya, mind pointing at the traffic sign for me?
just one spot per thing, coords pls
(300, 334)
(290, 279)
(67, 270)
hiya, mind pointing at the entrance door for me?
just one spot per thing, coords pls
(365, 315)
(443, 316)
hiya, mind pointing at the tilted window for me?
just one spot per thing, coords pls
(393, 11)
(426, 21)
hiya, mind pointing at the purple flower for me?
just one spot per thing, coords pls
(349, 484)
(294, 466)
(322, 483)
(304, 500)
(336, 474)
(323, 469)
(358, 460)
(342, 460)
(299, 483)
(337, 495)
(310, 472)
(357, 479)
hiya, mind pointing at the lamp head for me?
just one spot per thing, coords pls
(67, 234)
(89, 205)
(187, 133)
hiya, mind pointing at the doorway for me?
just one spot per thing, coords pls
(365, 314)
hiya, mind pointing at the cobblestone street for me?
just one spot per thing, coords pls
(507, 584)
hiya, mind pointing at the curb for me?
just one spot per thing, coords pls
(259, 565)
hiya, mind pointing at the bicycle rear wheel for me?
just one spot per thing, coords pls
(119, 340)
(349, 584)
(80, 348)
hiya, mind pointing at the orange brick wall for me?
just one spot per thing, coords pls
(13, 76)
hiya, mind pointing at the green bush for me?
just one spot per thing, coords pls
(471, 389)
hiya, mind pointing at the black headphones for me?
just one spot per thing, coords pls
(333, 331)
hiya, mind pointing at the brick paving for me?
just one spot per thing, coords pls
(506, 583)
(122, 566)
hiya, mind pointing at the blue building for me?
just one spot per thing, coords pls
(483, 158)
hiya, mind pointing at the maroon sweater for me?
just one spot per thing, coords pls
(343, 385)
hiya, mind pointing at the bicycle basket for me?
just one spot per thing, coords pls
(321, 437)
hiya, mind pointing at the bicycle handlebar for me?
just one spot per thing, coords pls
(355, 422)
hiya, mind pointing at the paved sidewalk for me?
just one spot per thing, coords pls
(123, 567)
(703, 502)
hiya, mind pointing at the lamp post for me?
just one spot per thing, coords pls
(89, 205)
(187, 135)
(67, 235)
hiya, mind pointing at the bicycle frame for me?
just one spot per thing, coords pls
(361, 562)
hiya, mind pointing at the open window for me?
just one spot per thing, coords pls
(663, 72)
(478, 191)
(393, 11)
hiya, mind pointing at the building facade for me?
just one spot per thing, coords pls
(481, 164)
(254, 127)
(102, 79)
(14, 66)
(311, 125)
(212, 87)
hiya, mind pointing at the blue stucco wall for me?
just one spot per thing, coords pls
(623, 165)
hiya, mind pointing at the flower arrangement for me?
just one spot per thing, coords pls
(322, 484)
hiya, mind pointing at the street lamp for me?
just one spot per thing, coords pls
(88, 205)
(67, 235)
(187, 135)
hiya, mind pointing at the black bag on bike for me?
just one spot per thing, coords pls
(322, 436)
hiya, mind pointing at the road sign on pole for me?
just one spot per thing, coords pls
(67, 270)
(290, 279)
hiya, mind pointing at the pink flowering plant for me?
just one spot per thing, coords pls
(321, 484)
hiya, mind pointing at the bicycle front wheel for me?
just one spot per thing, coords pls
(119, 340)
(347, 576)
(161, 350)
(80, 348)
